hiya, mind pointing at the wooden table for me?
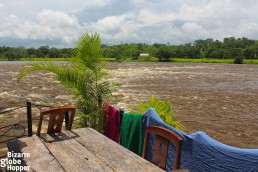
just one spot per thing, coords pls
(81, 149)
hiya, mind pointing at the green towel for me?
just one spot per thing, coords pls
(131, 133)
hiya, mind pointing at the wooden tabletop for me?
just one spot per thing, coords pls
(81, 149)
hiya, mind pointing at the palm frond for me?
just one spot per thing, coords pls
(83, 75)
(164, 110)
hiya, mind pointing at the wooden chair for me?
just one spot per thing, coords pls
(56, 118)
(161, 144)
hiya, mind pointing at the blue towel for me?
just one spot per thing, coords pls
(202, 153)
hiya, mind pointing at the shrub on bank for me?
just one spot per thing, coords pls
(238, 60)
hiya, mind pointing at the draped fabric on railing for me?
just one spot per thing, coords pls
(113, 118)
(131, 135)
(202, 153)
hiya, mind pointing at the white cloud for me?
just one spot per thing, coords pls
(48, 24)
(56, 18)
(194, 31)
(249, 30)
(110, 24)
(177, 21)
(149, 17)
(61, 25)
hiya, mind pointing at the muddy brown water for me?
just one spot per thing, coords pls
(219, 99)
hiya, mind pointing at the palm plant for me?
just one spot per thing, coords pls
(84, 76)
(164, 110)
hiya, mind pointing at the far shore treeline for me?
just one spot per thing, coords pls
(229, 48)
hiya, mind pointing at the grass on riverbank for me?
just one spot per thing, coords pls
(203, 60)
(151, 59)
(53, 59)
(227, 61)
(60, 59)
(44, 59)
(186, 60)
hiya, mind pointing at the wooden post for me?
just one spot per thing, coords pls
(29, 118)
(121, 111)
(66, 120)
(99, 100)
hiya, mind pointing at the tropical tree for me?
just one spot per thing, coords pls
(84, 76)
(164, 53)
(16, 53)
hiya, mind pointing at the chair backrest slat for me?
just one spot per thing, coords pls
(161, 144)
(160, 151)
(56, 118)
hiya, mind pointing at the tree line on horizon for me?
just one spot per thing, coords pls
(229, 48)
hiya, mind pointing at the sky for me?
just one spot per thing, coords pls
(60, 23)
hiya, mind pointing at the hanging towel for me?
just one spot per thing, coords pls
(202, 153)
(131, 135)
(113, 118)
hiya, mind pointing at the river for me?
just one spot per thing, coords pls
(219, 99)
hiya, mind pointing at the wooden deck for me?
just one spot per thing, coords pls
(78, 150)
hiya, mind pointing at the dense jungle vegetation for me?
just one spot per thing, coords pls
(229, 48)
